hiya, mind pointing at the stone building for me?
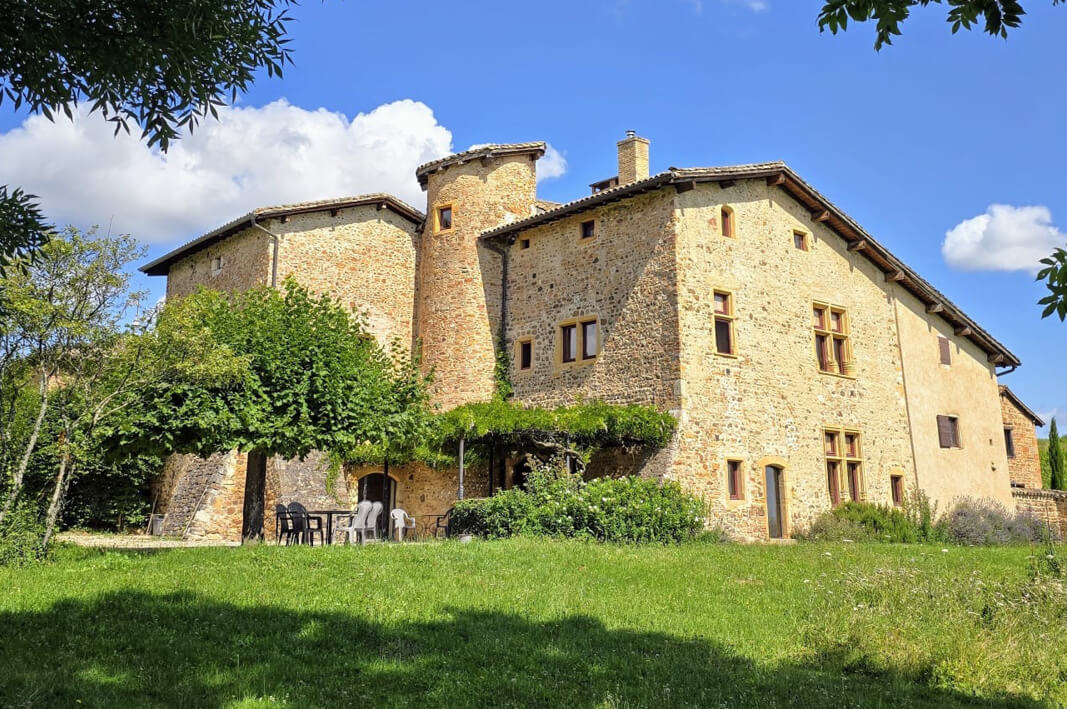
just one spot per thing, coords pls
(1020, 441)
(806, 364)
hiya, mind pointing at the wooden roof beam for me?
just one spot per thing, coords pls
(685, 186)
(935, 308)
(964, 331)
(997, 359)
(820, 216)
(776, 180)
(858, 245)
(727, 183)
(896, 276)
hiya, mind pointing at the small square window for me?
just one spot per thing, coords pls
(733, 480)
(524, 244)
(444, 218)
(525, 355)
(588, 229)
(800, 240)
(216, 265)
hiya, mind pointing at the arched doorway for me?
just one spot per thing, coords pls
(379, 487)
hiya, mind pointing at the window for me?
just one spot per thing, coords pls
(1009, 443)
(843, 453)
(216, 265)
(944, 346)
(569, 342)
(727, 216)
(524, 244)
(948, 431)
(724, 323)
(800, 240)
(525, 355)
(444, 217)
(896, 486)
(588, 229)
(733, 480)
(579, 339)
(832, 349)
(590, 346)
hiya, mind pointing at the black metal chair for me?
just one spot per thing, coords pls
(283, 526)
(305, 527)
(444, 523)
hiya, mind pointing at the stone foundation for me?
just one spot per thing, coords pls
(1048, 505)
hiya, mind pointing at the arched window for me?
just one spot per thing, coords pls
(727, 220)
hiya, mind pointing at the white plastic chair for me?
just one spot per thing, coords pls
(402, 521)
(357, 521)
(370, 526)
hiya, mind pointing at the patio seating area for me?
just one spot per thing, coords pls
(294, 524)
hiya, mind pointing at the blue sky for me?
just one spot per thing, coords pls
(910, 141)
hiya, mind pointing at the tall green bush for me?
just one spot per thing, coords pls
(1055, 459)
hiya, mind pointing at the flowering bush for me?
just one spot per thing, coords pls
(560, 504)
(987, 522)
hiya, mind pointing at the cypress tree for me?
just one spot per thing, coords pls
(1055, 458)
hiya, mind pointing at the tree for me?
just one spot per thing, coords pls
(279, 372)
(1057, 480)
(66, 308)
(162, 66)
(997, 16)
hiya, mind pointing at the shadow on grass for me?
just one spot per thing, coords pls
(130, 649)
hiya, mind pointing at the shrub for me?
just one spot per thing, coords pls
(979, 522)
(559, 504)
(829, 527)
(20, 537)
(863, 521)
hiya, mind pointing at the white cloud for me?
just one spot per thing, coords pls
(1005, 238)
(551, 165)
(754, 5)
(250, 157)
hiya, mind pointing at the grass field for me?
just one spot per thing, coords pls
(531, 623)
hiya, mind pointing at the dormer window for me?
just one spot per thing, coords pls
(444, 217)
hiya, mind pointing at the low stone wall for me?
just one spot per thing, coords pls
(1049, 505)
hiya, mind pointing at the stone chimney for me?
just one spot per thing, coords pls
(633, 158)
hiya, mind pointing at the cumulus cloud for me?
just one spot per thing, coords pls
(1004, 238)
(552, 164)
(250, 157)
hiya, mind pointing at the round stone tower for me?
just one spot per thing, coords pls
(458, 291)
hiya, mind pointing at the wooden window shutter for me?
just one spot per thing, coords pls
(946, 350)
(944, 431)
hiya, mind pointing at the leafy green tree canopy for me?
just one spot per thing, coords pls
(996, 16)
(159, 65)
(280, 371)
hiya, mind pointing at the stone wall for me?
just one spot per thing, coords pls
(246, 262)
(1047, 505)
(459, 282)
(769, 404)
(966, 388)
(1025, 467)
(363, 256)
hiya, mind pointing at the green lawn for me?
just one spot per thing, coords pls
(530, 623)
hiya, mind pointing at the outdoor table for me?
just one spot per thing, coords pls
(328, 514)
(429, 526)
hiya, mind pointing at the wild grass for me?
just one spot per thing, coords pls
(523, 622)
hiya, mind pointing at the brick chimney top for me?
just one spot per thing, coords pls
(633, 158)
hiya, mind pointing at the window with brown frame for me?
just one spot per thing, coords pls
(944, 347)
(843, 453)
(569, 342)
(734, 482)
(588, 229)
(833, 350)
(726, 216)
(1009, 443)
(724, 323)
(590, 343)
(948, 431)
(444, 217)
(800, 240)
(525, 355)
(579, 339)
(896, 486)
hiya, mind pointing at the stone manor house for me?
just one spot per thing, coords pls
(805, 363)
